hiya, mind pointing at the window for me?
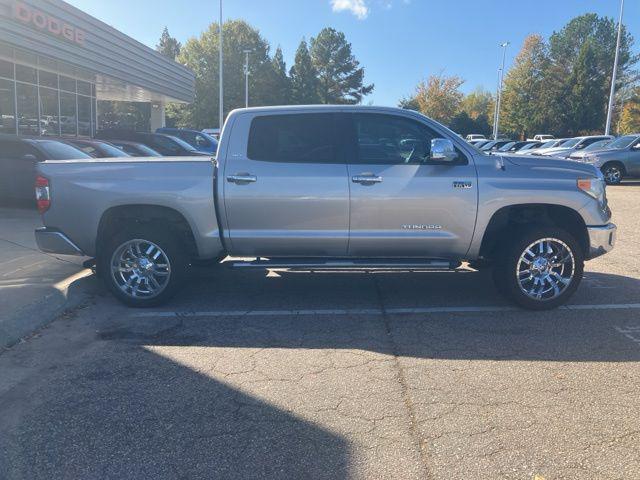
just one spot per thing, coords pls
(49, 112)
(67, 113)
(28, 109)
(7, 107)
(67, 84)
(26, 74)
(60, 151)
(84, 116)
(14, 150)
(6, 69)
(48, 79)
(84, 88)
(302, 138)
(390, 140)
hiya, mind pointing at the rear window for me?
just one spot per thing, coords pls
(61, 151)
(297, 138)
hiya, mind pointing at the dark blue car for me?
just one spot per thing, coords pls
(200, 141)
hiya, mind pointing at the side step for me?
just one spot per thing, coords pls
(356, 263)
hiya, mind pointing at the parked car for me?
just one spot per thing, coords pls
(579, 154)
(528, 148)
(214, 132)
(18, 159)
(513, 146)
(198, 140)
(548, 146)
(135, 149)
(621, 159)
(577, 143)
(475, 136)
(494, 145)
(166, 145)
(96, 148)
(330, 187)
(541, 138)
(479, 143)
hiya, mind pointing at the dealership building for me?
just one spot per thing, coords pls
(57, 64)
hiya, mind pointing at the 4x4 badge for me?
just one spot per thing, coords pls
(460, 184)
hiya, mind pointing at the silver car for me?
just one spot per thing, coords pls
(621, 159)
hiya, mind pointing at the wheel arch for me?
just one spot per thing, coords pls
(509, 218)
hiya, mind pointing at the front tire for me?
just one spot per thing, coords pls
(613, 173)
(540, 268)
(143, 266)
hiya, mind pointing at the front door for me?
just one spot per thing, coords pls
(285, 190)
(402, 204)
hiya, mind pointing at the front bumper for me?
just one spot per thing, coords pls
(601, 240)
(53, 241)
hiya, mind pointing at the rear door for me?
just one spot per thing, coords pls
(402, 205)
(17, 170)
(285, 188)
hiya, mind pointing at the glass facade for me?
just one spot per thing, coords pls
(43, 103)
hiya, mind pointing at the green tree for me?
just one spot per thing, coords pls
(585, 102)
(304, 78)
(440, 97)
(201, 56)
(168, 46)
(630, 116)
(478, 103)
(409, 103)
(567, 52)
(281, 82)
(340, 76)
(523, 98)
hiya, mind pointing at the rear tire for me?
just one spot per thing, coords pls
(143, 265)
(539, 268)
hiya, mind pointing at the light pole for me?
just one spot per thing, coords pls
(615, 72)
(496, 119)
(246, 77)
(220, 59)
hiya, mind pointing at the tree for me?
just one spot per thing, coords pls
(440, 97)
(341, 79)
(409, 103)
(304, 78)
(523, 98)
(281, 82)
(568, 54)
(478, 103)
(630, 117)
(168, 46)
(201, 56)
(586, 110)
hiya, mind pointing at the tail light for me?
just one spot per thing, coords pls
(43, 195)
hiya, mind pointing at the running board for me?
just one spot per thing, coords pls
(340, 264)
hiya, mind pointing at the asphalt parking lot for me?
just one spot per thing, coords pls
(332, 375)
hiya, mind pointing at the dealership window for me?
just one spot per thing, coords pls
(27, 109)
(68, 115)
(84, 115)
(6, 69)
(49, 118)
(7, 107)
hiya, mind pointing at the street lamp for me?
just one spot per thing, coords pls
(246, 77)
(220, 58)
(615, 72)
(496, 119)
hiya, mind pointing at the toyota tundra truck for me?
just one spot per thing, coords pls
(330, 187)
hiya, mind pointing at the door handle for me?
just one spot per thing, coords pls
(366, 179)
(242, 178)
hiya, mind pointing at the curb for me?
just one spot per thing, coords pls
(27, 320)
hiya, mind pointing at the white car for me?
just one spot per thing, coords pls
(544, 147)
(475, 136)
(541, 138)
(571, 145)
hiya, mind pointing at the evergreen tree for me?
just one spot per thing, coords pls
(340, 75)
(304, 78)
(586, 101)
(282, 84)
(168, 46)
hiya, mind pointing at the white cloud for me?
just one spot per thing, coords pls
(357, 7)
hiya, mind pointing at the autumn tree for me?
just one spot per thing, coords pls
(630, 116)
(440, 97)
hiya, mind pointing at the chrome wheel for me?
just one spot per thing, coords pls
(613, 174)
(140, 269)
(545, 269)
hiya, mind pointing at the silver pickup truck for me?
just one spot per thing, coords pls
(329, 187)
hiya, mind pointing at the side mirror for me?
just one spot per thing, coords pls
(442, 151)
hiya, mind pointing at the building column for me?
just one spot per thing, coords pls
(157, 119)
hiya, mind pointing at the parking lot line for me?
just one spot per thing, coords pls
(369, 311)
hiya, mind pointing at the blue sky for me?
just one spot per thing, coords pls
(398, 42)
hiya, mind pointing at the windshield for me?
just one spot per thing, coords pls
(61, 151)
(549, 144)
(572, 142)
(182, 143)
(529, 146)
(506, 147)
(597, 145)
(488, 146)
(623, 142)
(111, 151)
